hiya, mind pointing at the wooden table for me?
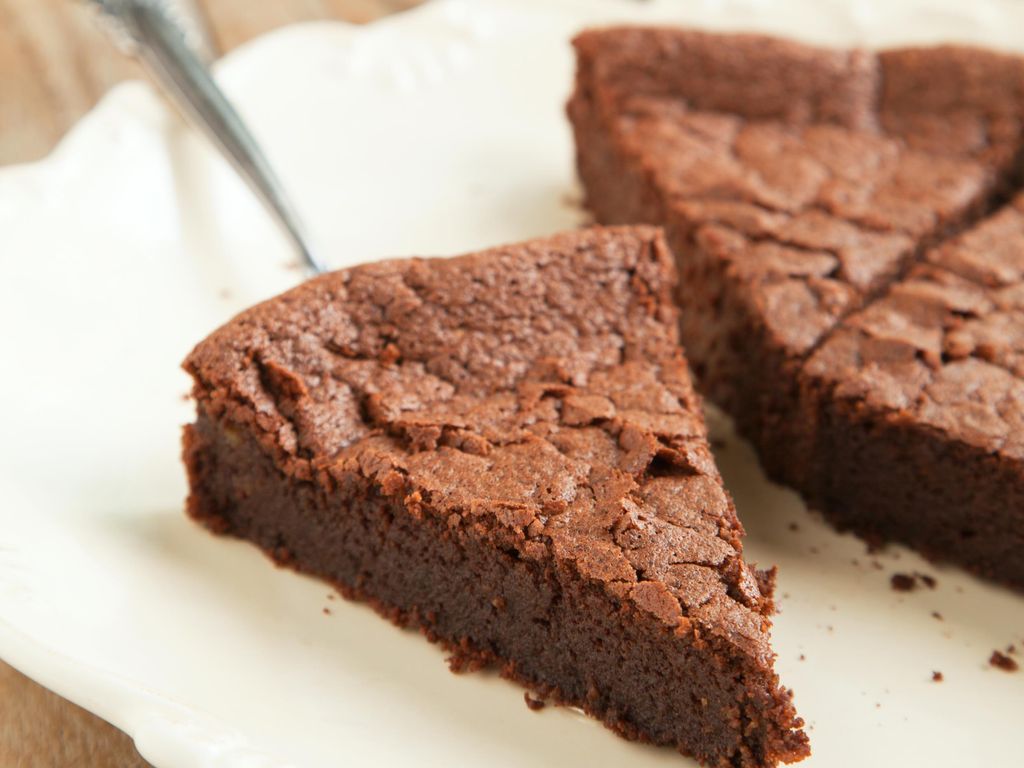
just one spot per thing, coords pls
(55, 63)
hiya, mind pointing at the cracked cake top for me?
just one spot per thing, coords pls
(534, 396)
(816, 176)
(944, 347)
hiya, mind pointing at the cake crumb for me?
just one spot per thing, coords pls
(908, 582)
(802, 657)
(1003, 662)
(327, 611)
(533, 701)
(903, 582)
(937, 616)
(794, 527)
(937, 677)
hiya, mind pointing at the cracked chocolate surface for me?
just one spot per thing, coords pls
(945, 346)
(535, 396)
(787, 188)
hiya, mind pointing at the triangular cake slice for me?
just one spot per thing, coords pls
(795, 183)
(504, 449)
(924, 390)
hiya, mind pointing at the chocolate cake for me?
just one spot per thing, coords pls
(505, 451)
(797, 184)
(922, 390)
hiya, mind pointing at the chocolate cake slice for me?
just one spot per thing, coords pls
(504, 450)
(923, 390)
(796, 184)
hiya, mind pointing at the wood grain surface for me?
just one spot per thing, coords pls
(56, 61)
(55, 64)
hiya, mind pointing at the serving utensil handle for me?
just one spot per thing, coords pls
(159, 42)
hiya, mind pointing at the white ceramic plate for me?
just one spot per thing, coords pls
(433, 132)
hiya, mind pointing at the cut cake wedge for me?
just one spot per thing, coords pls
(505, 450)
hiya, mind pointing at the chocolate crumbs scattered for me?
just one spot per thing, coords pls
(1003, 662)
(902, 582)
(908, 582)
(533, 701)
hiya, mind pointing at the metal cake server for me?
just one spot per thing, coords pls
(152, 32)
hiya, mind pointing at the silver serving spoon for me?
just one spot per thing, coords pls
(149, 30)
